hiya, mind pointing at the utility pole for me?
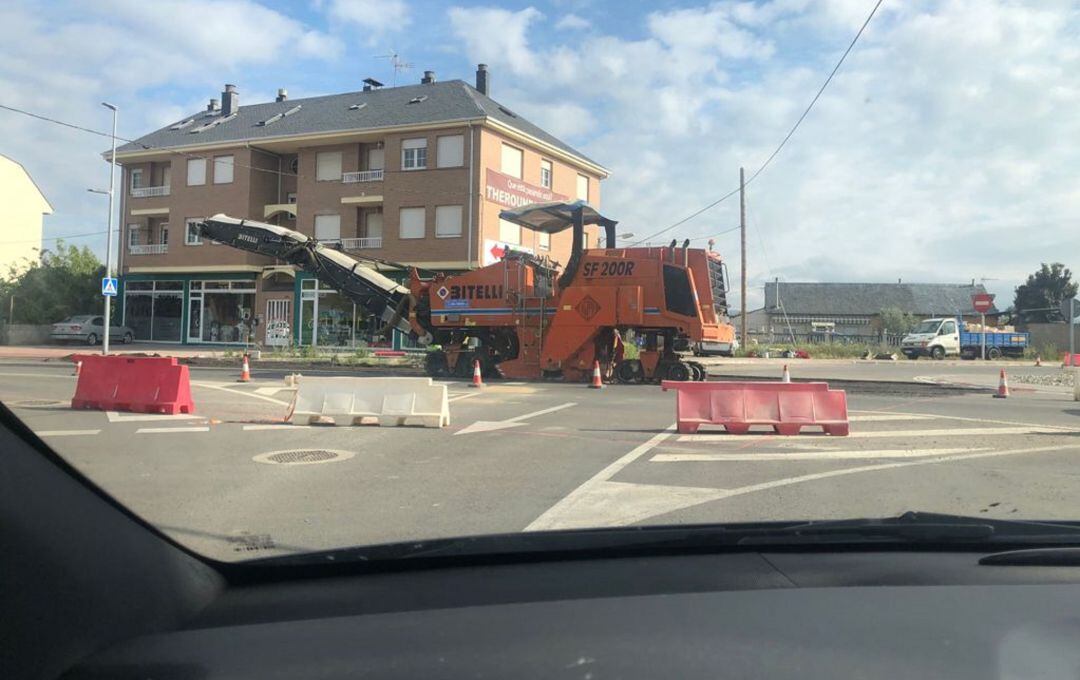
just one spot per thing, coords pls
(742, 267)
(108, 237)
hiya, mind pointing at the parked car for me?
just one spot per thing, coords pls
(89, 329)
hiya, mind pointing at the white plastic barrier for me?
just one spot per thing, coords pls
(370, 401)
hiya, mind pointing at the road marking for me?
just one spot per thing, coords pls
(162, 430)
(516, 421)
(271, 391)
(591, 504)
(814, 438)
(117, 417)
(993, 421)
(37, 375)
(65, 433)
(881, 417)
(279, 426)
(241, 393)
(459, 397)
(804, 455)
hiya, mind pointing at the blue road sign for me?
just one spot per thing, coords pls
(108, 286)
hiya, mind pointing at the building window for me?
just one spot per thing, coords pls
(328, 166)
(221, 311)
(447, 221)
(223, 169)
(153, 309)
(545, 174)
(512, 160)
(451, 151)
(583, 187)
(376, 158)
(327, 227)
(509, 232)
(136, 178)
(133, 235)
(163, 234)
(373, 224)
(543, 240)
(414, 154)
(196, 172)
(191, 233)
(290, 197)
(411, 222)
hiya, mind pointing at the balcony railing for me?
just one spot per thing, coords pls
(362, 176)
(150, 192)
(361, 243)
(151, 249)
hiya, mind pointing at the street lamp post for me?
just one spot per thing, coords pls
(109, 234)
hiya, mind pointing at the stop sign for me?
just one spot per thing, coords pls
(982, 302)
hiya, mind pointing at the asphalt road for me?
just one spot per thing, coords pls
(540, 456)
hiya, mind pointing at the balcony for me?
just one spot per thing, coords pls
(361, 243)
(151, 249)
(362, 176)
(149, 192)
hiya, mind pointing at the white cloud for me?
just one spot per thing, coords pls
(378, 16)
(572, 22)
(939, 153)
(494, 35)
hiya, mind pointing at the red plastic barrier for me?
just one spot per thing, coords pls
(140, 384)
(787, 407)
(1070, 359)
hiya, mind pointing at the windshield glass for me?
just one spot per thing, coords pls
(930, 326)
(578, 265)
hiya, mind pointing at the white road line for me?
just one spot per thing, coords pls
(992, 421)
(36, 375)
(873, 418)
(804, 455)
(117, 417)
(459, 397)
(271, 391)
(563, 512)
(241, 393)
(279, 426)
(491, 425)
(164, 430)
(65, 433)
(815, 438)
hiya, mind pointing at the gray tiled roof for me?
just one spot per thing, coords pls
(390, 106)
(849, 299)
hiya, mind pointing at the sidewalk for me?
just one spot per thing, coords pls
(47, 352)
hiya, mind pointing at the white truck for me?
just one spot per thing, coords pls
(938, 338)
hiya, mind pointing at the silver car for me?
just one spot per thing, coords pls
(89, 329)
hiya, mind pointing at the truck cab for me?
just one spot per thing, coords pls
(935, 338)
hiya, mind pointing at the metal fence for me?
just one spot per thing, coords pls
(881, 339)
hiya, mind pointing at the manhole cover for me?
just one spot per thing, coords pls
(39, 403)
(303, 456)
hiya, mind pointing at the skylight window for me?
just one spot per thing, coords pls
(357, 107)
(182, 124)
(276, 118)
(417, 100)
(214, 123)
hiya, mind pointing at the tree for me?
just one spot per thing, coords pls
(66, 281)
(1039, 299)
(896, 320)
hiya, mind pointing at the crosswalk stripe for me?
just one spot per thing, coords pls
(163, 430)
(65, 433)
(803, 455)
(881, 417)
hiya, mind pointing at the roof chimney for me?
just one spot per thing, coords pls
(282, 94)
(482, 83)
(428, 79)
(371, 84)
(230, 100)
(213, 105)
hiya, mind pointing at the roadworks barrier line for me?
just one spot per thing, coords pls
(386, 402)
(140, 384)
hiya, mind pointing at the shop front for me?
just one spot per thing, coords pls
(190, 309)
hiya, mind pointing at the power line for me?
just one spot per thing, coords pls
(787, 137)
(58, 238)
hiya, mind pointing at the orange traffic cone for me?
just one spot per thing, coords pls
(786, 376)
(1003, 387)
(477, 379)
(596, 382)
(245, 372)
(78, 368)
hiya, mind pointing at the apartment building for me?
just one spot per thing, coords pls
(24, 210)
(414, 175)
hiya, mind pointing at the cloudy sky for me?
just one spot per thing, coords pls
(946, 149)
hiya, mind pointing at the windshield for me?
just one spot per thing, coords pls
(573, 266)
(929, 326)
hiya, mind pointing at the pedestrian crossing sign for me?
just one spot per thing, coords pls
(108, 286)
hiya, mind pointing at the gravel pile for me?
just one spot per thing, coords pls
(1064, 378)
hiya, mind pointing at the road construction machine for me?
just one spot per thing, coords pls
(525, 316)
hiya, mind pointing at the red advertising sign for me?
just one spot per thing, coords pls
(982, 302)
(511, 192)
